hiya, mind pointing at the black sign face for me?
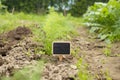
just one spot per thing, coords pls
(61, 48)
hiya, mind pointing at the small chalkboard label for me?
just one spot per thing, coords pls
(62, 48)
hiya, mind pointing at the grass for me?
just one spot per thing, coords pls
(10, 21)
(107, 50)
(83, 73)
(107, 75)
(77, 22)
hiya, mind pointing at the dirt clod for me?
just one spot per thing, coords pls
(1, 61)
(59, 70)
(2, 44)
(3, 52)
(69, 78)
(18, 33)
(7, 40)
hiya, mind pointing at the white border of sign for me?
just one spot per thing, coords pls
(61, 42)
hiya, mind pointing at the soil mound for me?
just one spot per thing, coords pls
(20, 55)
(12, 37)
(18, 33)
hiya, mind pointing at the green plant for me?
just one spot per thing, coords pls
(10, 21)
(83, 73)
(107, 50)
(107, 76)
(103, 18)
(56, 27)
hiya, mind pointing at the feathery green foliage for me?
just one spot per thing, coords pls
(56, 27)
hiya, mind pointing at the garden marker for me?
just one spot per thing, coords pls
(60, 49)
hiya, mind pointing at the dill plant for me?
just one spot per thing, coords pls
(56, 27)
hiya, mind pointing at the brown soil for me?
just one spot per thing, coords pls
(93, 51)
(7, 40)
(59, 70)
(17, 50)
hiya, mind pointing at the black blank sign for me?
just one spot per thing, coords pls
(61, 48)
